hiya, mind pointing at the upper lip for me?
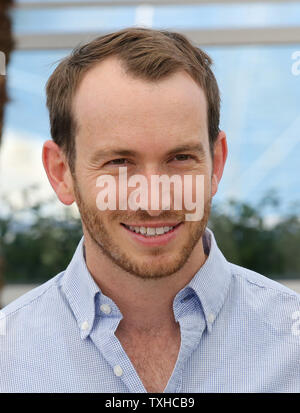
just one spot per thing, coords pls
(154, 224)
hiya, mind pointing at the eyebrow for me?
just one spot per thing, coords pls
(105, 153)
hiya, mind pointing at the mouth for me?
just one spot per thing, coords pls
(151, 231)
(153, 236)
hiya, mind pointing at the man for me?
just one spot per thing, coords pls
(148, 302)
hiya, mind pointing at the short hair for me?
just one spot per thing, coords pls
(146, 54)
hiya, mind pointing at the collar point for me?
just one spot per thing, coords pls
(85, 329)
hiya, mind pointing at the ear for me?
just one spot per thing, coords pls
(58, 172)
(220, 156)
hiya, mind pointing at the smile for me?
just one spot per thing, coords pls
(150, 231)
(153, 236)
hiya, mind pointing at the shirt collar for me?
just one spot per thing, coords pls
(80, 290)
(210, 284)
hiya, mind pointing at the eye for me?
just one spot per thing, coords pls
(118, 161)
(183, 157)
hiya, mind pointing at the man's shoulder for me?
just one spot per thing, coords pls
(264, 300)
(256, 280)
(34, 298)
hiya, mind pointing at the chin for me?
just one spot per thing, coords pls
(156, 267)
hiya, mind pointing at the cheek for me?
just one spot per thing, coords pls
(86, 192)
(208, 187)
(198, 186)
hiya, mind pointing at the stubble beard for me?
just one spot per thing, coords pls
(102, 239)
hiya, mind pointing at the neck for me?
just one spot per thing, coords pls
(146, 304)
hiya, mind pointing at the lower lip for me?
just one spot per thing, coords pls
(157, 240)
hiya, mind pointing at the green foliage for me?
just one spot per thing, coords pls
(37, 250)
(245, 239)
(36, 246)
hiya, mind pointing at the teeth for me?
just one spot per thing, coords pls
(149, 231)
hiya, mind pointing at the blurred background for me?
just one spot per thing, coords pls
(255, 47)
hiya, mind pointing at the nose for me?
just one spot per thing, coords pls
(153, 212)
(152, 203)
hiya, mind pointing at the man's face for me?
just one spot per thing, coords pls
(151, 121)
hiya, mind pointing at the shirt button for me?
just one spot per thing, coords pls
(211, 318)
(84, 325)
(118, 370)
(105, 308)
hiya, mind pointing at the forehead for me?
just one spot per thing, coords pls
(109, 104)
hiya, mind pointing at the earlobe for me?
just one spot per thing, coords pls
(58, 172)
(220, 156)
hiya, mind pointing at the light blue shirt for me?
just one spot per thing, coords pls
(239, 333)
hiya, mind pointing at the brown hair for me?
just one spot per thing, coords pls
(147, 54)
